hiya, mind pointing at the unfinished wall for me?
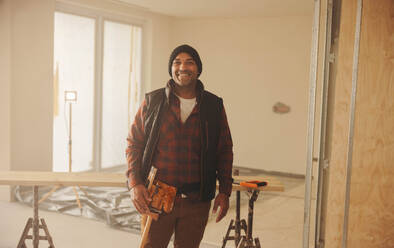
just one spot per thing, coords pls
(371, 216)
(253, 63)
(5, 82)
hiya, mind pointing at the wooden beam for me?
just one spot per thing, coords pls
(94, 179)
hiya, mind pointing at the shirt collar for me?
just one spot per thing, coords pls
(171, 85)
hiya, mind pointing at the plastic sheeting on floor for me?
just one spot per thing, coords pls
(108, 204)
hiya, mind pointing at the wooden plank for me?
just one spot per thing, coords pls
(371, 212)
(371, 215)
(29, 178)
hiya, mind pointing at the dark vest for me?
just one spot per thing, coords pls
(157, 102)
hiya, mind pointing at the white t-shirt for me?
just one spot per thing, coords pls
(187, 106)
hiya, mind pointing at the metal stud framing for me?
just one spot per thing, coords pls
(311, 119)
(351, 122)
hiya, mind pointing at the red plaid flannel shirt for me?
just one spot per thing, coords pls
(177, 155)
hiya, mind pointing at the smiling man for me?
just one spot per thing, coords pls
(182, 130)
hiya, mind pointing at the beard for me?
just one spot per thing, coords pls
(184, 78)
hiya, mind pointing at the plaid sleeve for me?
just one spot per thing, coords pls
(225, 157)
(135, 147)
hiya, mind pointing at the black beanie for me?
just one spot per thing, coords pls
(185, 49)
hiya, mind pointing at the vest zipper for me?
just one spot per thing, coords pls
(206, 135)
(157, 137)
(202, 157)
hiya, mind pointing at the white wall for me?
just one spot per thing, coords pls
(161, 48)
(31, 88)
(253, 63)
(5, 82)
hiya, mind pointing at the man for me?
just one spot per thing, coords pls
(182, 130)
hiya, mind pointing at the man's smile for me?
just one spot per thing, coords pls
(183, 73)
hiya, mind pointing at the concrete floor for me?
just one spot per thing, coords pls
(278, 218)
(278, 222)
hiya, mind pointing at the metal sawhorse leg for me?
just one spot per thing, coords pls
(243, 241)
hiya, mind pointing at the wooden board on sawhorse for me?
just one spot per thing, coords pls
(34, 224)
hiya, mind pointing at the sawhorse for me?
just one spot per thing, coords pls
(34, 223)
(243, 241)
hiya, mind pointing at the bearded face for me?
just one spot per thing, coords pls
(184, 70)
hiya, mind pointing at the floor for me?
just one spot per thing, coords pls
(278, 222)
(278, 217)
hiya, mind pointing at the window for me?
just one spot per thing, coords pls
(100, 60)
(120, 89)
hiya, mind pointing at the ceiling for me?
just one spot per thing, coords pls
(226, 8)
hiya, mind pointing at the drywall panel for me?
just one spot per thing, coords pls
(253, 63)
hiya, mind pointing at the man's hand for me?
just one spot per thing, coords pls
(140, 198)
(221, 201)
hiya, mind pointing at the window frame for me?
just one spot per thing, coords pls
(100, 17)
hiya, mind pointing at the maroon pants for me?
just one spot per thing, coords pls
(187, 220)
